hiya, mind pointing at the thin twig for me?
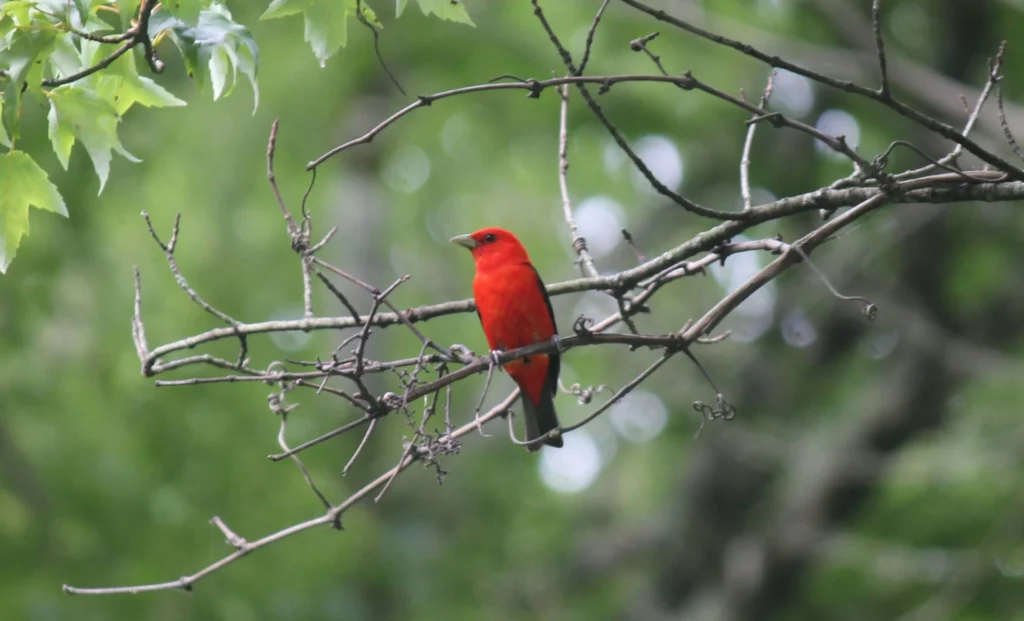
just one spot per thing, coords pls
(338, 294)
(483, 397)
(616, 134)
(168, 248)
(277, 406)
(322, 438)
(807, 243)
(590, 37)
(330, 517)
(138, 328)
(876, 24)
(777, 119)
(233, 538)
(930, 123)
(622, 392)
(176, 271)
(626, 235)
(134, 36)
(579, 244)
(376, 46)
(747, 143)
(1007, 132)
(293, 229)
(685, 81)
(994, 77)
(362, 443)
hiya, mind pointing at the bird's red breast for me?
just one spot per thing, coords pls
(513, 305)
(514, 313)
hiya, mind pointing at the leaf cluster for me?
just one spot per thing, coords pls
(81, 60)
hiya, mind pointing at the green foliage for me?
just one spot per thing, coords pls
(122, 87)
(78, 113)
(22, 184)
(212, 46)
(452, 10)
(325, 22)
(49, 58)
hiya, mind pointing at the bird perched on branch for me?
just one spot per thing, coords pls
(515, 311)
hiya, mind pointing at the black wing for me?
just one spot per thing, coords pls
(555, 359)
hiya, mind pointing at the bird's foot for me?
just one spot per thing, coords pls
(495, 359)
(557, 341)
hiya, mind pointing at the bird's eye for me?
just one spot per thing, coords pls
(489, 237)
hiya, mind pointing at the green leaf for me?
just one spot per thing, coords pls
(213, 45)
(245, 61)
(6, 24)
(22, 184)
(121, 85)
(187, 11)
(370, 16)
(10, 109)
(4, 138)
(400, 7)
(219, 65)
(18, 10)
(79, 113)
(62, 137)
(325, 22)
(127, 10)
(450, 10)
(18, 56)
(66, 57)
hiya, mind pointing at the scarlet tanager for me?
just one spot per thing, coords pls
(515, 311)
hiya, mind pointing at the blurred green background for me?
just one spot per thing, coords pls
(874, 470)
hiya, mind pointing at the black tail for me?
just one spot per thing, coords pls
(540, 419)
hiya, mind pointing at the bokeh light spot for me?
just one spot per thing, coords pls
(572, 468)
(837, 123)
(292, 340)
(406, 170)
(880, 344)
(640, 416)
(792, 93)
(600, 220)
(754, 315)
(797, 329)
(664, 160)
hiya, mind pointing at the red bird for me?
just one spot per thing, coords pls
(515, 311)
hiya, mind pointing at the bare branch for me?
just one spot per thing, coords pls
(745, 159)
(138, 328)
(137, 34)
(293, 229)
(891, 102)
(995, 66)
(376, 46)
(1007, 132)
(590, 37)
(807, 243)
(359, 449)
(579, 244)
(876, 23)
(233, 538)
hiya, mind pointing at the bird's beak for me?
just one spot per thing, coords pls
(465, 240)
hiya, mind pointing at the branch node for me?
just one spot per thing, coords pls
(637, 45)
(536, 88)
(581, 327)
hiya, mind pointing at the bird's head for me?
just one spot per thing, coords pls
(493, 246)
